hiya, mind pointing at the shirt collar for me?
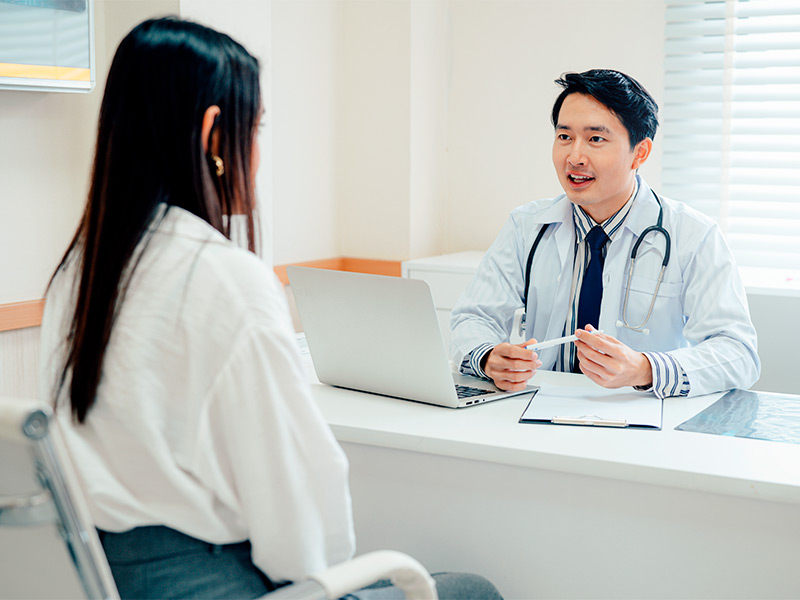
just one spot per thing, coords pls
(583, 222)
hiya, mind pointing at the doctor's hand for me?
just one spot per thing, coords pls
(511, 365)
(610, 363)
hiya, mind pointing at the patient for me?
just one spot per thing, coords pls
(168, 349)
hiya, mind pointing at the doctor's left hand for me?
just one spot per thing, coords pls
(610, 363)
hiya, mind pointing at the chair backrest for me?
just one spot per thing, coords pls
(48, 544)
(49, 547)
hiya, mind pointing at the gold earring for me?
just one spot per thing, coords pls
(219, 164)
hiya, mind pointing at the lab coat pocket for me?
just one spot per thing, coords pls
(647, 286)
(667, 313)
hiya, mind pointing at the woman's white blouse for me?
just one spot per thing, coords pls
(204, 421)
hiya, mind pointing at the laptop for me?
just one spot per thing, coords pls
(380, 334)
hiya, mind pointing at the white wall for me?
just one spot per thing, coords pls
(430, 62)
(400, 129)
(373, 136)
(306, 52)
(249, 22)
(46, 152)
(506, 55)
(395, 128)
(45, 161)
(411, 128)
(47, 145)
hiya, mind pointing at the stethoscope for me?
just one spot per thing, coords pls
(520, 316)
(657, 228)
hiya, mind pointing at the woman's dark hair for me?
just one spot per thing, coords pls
(619, 93)
(165, 74)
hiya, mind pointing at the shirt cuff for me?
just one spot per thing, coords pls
(669, 378)
(471, 365)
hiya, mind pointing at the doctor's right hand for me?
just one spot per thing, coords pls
(510, 366)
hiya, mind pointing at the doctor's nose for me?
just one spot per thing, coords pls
(577, 156)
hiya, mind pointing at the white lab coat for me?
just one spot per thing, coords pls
(700, 317)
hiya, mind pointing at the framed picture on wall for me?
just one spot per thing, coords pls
(47, 45)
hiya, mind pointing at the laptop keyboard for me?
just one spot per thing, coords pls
(465, 391)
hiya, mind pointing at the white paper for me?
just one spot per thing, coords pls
(593, 406)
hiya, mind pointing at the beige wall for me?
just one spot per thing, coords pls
(395, 129)
(306, 49)
(405, 129)
(505, 57)
(45, 160)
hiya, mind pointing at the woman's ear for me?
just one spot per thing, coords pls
(209, 117)
(641, 152)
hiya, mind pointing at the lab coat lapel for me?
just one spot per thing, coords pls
(562, 246)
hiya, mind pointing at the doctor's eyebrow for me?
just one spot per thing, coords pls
(601, 128)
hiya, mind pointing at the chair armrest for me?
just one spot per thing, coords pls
(405, 572)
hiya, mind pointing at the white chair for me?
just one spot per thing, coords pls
(49, 547)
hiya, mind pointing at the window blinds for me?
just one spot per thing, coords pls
(731, 121)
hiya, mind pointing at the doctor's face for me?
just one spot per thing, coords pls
(593, 157)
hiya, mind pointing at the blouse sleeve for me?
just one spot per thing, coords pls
(274, 459)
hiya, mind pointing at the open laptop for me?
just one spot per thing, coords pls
(380, 334)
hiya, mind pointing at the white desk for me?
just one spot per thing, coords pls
(557, 511)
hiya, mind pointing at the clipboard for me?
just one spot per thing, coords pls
(594, 406)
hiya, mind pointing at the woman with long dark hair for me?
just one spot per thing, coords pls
(168, 350)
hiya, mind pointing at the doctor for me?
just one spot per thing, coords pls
(683, 331)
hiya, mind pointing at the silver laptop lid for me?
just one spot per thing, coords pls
(373, 333)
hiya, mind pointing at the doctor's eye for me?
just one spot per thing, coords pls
(597, 139)
(563, 137)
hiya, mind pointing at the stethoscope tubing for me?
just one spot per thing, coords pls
(657, 228)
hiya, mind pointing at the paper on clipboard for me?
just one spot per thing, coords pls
(582, 405)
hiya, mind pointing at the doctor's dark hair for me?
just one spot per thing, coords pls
(619, 93)
(164, 76)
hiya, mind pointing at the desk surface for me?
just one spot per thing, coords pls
(490, 432)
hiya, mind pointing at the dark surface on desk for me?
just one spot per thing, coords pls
(757, 415)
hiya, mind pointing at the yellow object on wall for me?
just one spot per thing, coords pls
(44, 72)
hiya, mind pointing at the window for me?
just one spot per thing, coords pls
(731, 123)
(47, 45)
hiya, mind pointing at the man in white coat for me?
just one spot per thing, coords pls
(673, 319)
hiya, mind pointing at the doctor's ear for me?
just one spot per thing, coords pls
(641, 152)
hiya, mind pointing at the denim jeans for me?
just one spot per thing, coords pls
(159, 562)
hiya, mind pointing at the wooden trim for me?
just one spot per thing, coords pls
(354, 265)
(372, 266)
(20, 315)
(337, 264)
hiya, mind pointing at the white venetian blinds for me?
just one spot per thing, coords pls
(731, 121)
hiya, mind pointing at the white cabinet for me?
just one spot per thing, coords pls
(448, 276)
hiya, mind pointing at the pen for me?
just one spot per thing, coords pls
(555, 342)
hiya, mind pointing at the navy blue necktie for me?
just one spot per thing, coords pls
(592, 286)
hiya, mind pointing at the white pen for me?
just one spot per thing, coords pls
(556, 342)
